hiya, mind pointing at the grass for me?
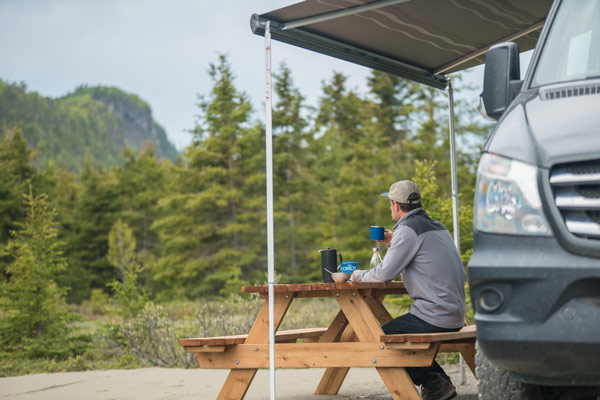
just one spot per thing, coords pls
(150, 339)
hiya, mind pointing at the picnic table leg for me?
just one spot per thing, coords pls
(467, 350)
(376, 305)
(238, 381)
(334, 377)
(237, 384)
(365, 324)
(399, 384)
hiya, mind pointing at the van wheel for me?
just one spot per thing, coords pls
(495, 383)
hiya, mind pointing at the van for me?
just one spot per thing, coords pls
(535, 271)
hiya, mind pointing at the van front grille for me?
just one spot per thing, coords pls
(576, 189)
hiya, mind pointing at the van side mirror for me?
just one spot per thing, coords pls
(501, 82)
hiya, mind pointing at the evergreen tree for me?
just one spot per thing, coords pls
(349, 169)
(34, 309)
(142, 182)
(87, 241)
(211, 226)
(430, 141)
(393, 99)
(15, 158)
(294, 182)
(122, 255)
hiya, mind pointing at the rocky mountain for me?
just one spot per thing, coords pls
(92, 123)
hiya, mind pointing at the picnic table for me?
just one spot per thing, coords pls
(353, 339)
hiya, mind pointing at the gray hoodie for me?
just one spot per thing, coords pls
(422, 250)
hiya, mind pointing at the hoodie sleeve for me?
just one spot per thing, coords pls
(403, 249)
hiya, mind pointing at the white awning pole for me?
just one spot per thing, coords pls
(270, 245)
(454, 192)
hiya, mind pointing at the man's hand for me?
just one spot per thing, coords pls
(353, 275)
(387, 238)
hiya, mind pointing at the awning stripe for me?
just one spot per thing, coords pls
(483, 50)
(341, 12)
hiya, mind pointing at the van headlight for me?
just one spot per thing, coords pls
(507, 198)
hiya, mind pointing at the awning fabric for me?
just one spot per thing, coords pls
(421, 40)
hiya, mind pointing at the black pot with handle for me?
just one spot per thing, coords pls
(329, 263)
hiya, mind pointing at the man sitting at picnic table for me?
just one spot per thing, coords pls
(422, 250)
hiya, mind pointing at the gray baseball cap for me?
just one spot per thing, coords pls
(401, 191)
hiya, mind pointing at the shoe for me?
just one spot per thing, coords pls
(440, 388)
(446, 377)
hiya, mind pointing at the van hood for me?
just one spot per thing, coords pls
(544, 130)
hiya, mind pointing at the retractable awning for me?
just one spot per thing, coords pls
(421, 40)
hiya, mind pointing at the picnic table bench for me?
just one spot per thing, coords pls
(353, 339)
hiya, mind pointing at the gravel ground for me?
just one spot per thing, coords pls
(196, 384)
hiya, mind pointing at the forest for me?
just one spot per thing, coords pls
(147, 231)
(93, 124)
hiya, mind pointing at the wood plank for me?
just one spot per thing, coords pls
(314, 294)
(315, 355)
(468, 353)
(466, 332)
(354, 306)
(361, 317)
(444, 347)
(213, 341)
(332, 379)
(376, 305)
(237, 382)
(408, 345)
(204, 349)
(318, 286)
(281, 336)
(399, 384)
(300, 333)
(331, 293)
(335, 329)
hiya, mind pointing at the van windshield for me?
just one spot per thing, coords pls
(572, 48)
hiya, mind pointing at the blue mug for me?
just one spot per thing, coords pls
(349, 266)
(377, 232)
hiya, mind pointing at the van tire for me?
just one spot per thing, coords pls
(495, 383)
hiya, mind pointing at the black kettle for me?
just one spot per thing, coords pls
(329, 263)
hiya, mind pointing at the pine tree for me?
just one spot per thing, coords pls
(211, 227)
(34, 309)
(349, 169)
(15, 164)
(294, 181)
(87, 240)
(141, 183)
(393, 99)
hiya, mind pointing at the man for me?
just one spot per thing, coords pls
(422, 250)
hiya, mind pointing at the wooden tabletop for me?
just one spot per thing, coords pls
(390, 287)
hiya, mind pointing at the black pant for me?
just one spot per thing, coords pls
(408, 323)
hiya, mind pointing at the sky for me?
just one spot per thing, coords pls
(159, 50)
